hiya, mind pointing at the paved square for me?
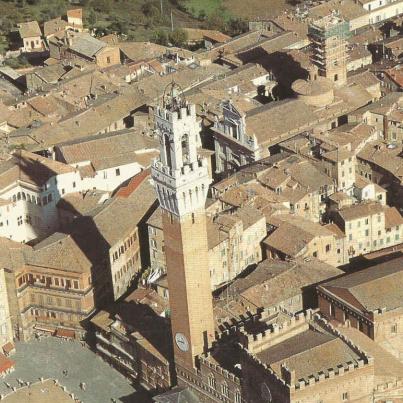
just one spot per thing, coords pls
(46, 392)
(49, 357)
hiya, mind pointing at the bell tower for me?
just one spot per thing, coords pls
(181, 181)
(329, 39)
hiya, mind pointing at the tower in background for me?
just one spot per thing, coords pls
(328, 36)
(181, 181)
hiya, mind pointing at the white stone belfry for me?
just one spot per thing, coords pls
(180, 175)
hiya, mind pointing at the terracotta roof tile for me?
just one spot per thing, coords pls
(29, 29)
(374, 288)
(392, 217)
(55, 25)
(134, 183)
(361, 210)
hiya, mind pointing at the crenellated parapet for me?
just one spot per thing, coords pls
(257, 342)
(379, 311)
(180, 175)
(339, 370)
(206, 360)
(252, 345)
(269, 372)
(234, 327)
(388, 386)
(325, 324)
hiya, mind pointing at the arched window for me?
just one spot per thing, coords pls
(238, 398)
(18, 196)
(185, 148)
(29, 197)
(211, 381)
(24, 197)
(224, 389)
(168, 150)
(14, 198)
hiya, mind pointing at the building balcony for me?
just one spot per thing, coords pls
(103, 350)
(114, 345)
(56, 289)
(55, 308)
(160, 167)
(173, 178)
(122, 350)
(117, 330)
(125, 364)
(104, 340)
(116, 359)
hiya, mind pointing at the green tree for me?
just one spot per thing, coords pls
(103, 6)
(180, 4)
(17, 62)
(6, 25)
(53, 8)
(236, 26)
(202, 15)
(178, 37)
(91, 17)
(216, 21)
(119, 26)
(150, 9)
(160, 37)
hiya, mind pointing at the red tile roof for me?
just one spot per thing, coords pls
(134, 183)
(65, 333)
(395, 75)
(8, 348)
(5, 363)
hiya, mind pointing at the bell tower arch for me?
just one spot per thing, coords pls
(181, 180)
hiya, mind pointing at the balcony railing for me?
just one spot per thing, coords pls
(116, 358)
(121, 349)
(37, 284)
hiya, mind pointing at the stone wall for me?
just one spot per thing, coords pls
(352, 380)
(209, 391)
(258, 342)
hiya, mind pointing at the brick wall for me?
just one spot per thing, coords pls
(189, 282)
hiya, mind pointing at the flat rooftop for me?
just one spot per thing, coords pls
(327, 21)
(330, 25)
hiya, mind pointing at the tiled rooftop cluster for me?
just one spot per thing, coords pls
(293, 133)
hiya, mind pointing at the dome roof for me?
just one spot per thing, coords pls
(311, 88)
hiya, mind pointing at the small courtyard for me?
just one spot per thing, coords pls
(71, 364)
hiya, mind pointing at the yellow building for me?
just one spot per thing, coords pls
(367, 227)
(294, 237)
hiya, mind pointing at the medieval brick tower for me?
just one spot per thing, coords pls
(328, 36)
(181, 182)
